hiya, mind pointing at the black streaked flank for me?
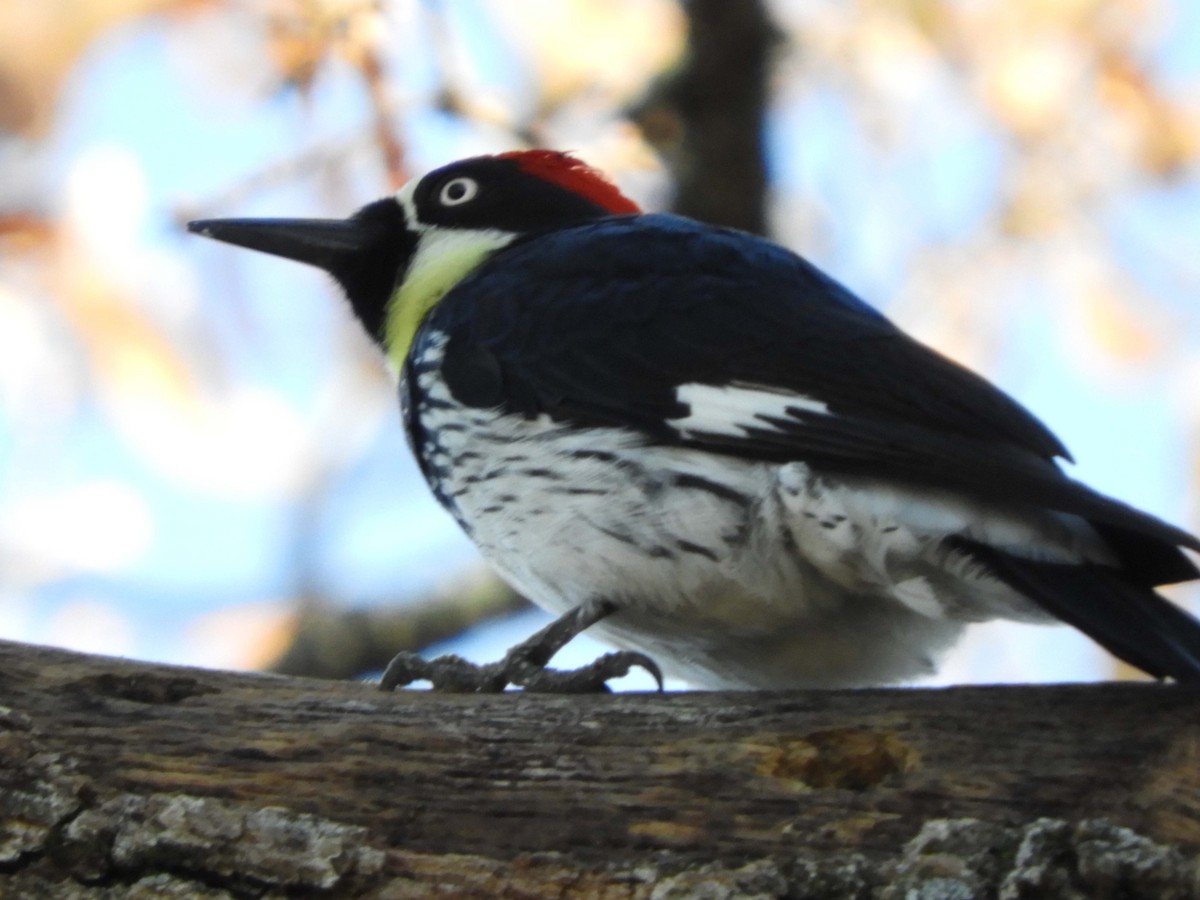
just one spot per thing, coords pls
(598, 455)
(689, 547)
(548, 474)
(617, 535)
(691, 481)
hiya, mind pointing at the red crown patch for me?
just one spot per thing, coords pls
(574, 175)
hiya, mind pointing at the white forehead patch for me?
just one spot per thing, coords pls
(404, 197)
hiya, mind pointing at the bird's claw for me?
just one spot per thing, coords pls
(453, 674)
(524, 665)
(449, 673)
(590, 679)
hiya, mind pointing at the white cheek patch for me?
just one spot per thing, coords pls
(734, 409)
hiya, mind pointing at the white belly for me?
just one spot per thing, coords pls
(734, 573)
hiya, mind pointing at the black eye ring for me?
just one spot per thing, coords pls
(458, 191)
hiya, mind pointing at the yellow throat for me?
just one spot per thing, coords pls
(444, 257)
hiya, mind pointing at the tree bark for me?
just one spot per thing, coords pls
(120, 779)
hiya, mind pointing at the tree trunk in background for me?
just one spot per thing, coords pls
(120, 779)
(706, 117)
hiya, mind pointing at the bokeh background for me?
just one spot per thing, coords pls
(200, 457)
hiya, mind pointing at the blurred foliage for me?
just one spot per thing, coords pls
(43, 41)
(95, 321)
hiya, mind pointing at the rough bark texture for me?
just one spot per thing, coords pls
(119, 779)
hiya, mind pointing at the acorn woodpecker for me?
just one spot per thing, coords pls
(699, 443)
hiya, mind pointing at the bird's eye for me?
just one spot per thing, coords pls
(458, 191)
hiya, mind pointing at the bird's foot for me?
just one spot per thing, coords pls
(590, 679)
(524, 665)
(455, 675)
(448, 673)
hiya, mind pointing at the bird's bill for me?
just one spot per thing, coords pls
(327, 243)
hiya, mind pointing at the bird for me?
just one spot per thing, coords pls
(697, 445)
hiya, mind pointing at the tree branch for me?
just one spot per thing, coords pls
(120, 775)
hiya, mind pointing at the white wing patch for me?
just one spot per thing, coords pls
(733, 409)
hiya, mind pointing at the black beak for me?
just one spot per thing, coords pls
(367, 254)
(331, 244)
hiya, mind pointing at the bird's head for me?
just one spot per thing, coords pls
(397, 257)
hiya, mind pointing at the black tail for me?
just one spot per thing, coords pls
(1128, 619)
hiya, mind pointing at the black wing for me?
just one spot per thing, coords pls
(708, 338)
(1129, 619)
